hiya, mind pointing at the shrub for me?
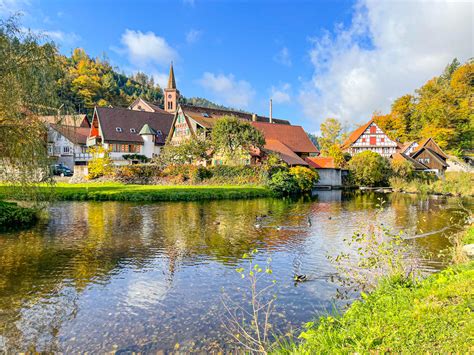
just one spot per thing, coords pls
(283, 183)
(369, 169)
(136, 173)
(402, 168)
(305, 178)
(14, 216)
(100, 164)
(241, 174)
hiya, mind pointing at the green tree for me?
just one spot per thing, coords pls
(369, 169)
(305, 178)
(233, 138)
(188, 152)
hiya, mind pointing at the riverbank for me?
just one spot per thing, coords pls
(13, 216)
(124, 192)
(454, 184)
(432, 315)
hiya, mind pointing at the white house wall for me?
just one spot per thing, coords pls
(383, 144)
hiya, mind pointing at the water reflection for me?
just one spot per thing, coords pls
(143, 277)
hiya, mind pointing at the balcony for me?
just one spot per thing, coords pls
(82, 156)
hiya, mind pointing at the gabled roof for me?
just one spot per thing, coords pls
(417, 165)
(77, 135)
(321, 162)
(153, 107)
(436, 149)
(207, 117)
(432, 153)
(79, 120)
(354, 136)
(131, 122)
(285, 153)
(294, 137)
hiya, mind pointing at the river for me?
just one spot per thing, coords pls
(120, 276)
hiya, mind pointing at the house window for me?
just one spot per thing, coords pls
(133, 130)
(382, 140)
(373, 129)
(363, 140)
(118, 129)
(65, 149)
(373, 140)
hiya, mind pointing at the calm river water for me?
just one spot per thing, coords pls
(115, 276)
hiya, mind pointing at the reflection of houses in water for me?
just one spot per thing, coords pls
(328, 196)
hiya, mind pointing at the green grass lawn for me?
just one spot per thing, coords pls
(122, 192)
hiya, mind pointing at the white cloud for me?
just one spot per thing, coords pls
(390, 48)
(237, 93)
(147, 48)
(193, 36)
(161, 79)
(283, 57)
(10, 7)
(281, 94)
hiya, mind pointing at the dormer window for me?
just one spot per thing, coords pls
(118, 129)
(158, 132)
(204, 114)
(133, 130)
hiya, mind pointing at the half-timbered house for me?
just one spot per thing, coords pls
(370, 137)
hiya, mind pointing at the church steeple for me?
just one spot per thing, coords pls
(171, 80)
(171, 93)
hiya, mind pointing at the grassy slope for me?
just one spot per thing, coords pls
(121, 192)
(434, 316)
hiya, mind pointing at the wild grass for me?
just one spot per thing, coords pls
(401, 315)
(454, 183)
(432, 316)
(122, 192)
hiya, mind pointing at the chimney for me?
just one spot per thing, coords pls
(271, 108)
(254, 117)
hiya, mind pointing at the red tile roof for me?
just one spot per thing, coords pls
(321, 162)
(285, 153)
(294, 137)
(356, 134)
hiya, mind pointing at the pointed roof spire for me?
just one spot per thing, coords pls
(146, 129)
(171, 80)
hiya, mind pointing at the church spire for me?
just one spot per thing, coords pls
(171, 80)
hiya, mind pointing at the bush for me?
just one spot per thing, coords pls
(305, 178)
(100, 164)
(243, 174)
(14, 216)
(136, 173)
(402, 169)
(369, 169)
(284, 183)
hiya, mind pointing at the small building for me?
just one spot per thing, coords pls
(408, 147)
(129, 132)
(330, 176)
(370, 137)
(431, 155)
(67, 138)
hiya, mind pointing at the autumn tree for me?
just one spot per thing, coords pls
(188, 152)
(233, 138)
(369, 169)
(27, 90)
(331, 133)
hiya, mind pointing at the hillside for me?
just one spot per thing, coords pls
(442, 108)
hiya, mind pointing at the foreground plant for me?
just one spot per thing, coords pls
(248, 321)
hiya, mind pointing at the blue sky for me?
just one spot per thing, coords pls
(316, 59)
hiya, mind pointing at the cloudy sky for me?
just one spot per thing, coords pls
(316, 59)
